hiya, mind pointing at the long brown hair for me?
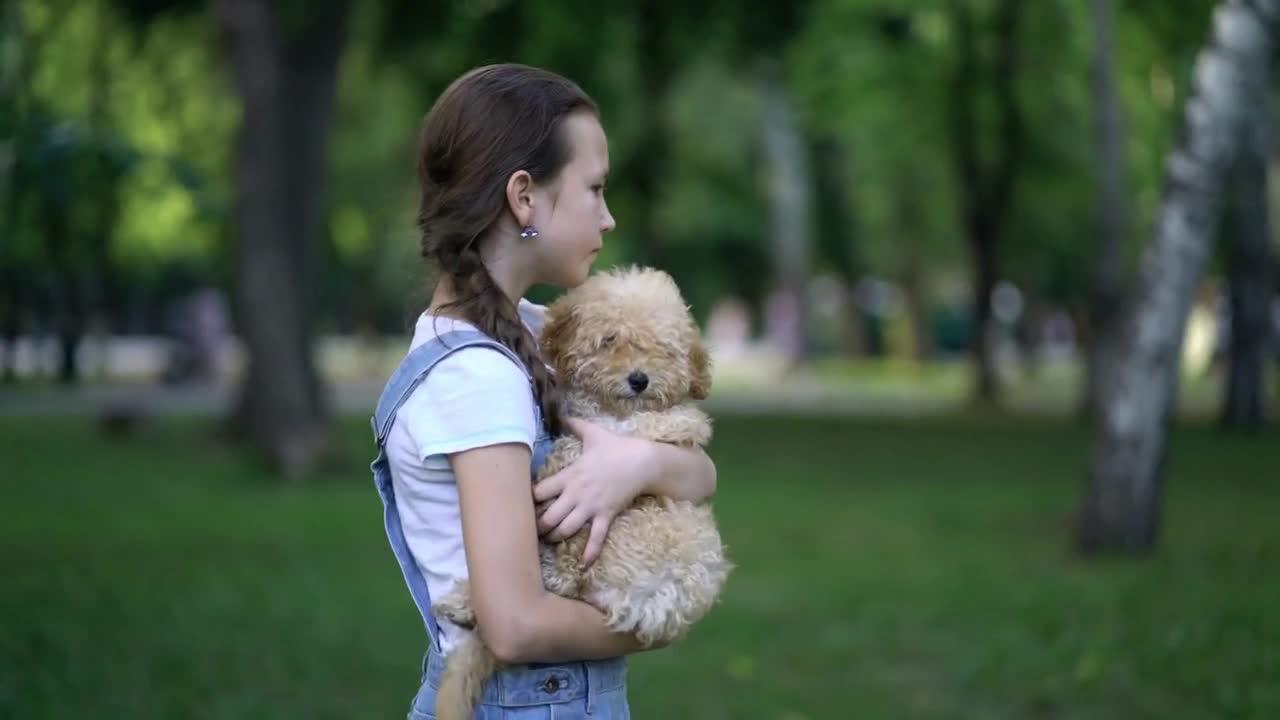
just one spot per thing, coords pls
(488, 124)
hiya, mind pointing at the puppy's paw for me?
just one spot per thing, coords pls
(560, 572)
(566, 449)
(660, 634)
(455, 606)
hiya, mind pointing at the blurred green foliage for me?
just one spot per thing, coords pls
(122, 114)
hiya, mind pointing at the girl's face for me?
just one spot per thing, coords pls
(572, 216)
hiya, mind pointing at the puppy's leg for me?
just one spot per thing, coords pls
(681, 425)
(560, 573)
(667, 570)
(564, 452)
(456, 605)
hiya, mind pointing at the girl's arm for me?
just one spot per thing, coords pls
(682, 473)
(613, 471)
(518, 619)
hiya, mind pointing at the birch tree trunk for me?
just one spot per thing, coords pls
(1123, 489)
(790, 192)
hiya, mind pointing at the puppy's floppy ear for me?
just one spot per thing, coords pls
(558, 331)
(700, 368)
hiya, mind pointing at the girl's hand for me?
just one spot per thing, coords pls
(611, 472)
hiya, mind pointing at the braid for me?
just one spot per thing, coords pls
(484, 305)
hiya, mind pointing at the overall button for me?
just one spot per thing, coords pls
(551, 685)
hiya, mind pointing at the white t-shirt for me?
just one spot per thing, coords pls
(472, 398)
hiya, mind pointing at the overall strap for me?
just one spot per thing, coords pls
(399, 387)
(415, 367)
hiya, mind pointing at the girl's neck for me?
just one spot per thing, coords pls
(508, 261)
(445, 293)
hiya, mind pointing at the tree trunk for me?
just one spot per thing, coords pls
(1106, 294)
(649, 158)
(11, 291)
(987, 191)
(1122, 497)
(285, 69)
(790, 193)
(104, 198)
(836, 239)
(983, 239)
(69, 307)
(1249, 270)
(13, 86)
(911, 268)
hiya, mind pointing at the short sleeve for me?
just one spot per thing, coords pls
(473, 398)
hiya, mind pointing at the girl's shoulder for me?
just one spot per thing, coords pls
(474, 396)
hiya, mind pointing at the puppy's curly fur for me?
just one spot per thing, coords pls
(629, 356)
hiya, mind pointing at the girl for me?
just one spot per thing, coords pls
(512, 164)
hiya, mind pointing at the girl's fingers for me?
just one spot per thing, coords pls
(595, 543)
(569, 526)
(549, 488)
(554, 515)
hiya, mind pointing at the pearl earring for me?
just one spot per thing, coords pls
(529, 232)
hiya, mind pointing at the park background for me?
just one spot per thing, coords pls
(990, 288)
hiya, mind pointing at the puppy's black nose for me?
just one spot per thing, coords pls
(638, 381)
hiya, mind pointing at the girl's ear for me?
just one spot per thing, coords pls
(520, 197)
(700, 369)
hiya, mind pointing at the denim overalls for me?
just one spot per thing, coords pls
(595, 689)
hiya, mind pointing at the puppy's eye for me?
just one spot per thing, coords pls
(609, 340)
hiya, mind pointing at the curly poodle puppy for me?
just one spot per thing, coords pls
(629, 356)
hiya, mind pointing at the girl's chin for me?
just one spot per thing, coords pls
(573, 279)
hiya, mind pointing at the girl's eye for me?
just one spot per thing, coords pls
(597, 189)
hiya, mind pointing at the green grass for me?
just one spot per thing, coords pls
(885, 570)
